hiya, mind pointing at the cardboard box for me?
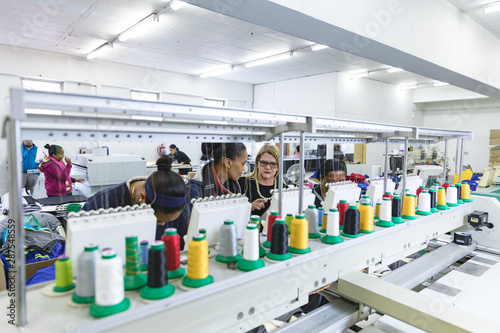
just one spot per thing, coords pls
(31, 269)
(494, 142)
(495, 134)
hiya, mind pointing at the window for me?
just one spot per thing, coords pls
(41, 85)
(217, 103)
(144, 96)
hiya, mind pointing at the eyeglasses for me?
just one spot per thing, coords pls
(265, 164)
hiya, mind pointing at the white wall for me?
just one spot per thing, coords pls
(335, 95)
(478, 116)
(113, 80)
(312, 95)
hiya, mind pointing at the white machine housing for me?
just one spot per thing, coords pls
(210, 214)
(101, 171)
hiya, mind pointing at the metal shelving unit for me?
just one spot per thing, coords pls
(75, 117)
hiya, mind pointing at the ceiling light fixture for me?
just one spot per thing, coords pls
(440, 84)
(269, 60)
(140, 27)
(358, 75)
(176, 4)
(394, 70)
(218, 72)
(215, 122)
(317, 47)
(100, 50)
(492, 8)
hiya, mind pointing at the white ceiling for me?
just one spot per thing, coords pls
(190, 41)
(474, 9)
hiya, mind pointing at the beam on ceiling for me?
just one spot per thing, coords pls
(303, 21)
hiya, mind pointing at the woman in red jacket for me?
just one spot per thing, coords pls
(57, 179)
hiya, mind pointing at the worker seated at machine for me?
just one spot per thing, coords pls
(164, 190)
(331, 171)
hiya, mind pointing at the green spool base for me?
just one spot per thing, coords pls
(323, 231)
(225, 260)
(178, 273)
(328, 239)
(157, 293)
(144, 268)
(262, 251)
(82, 300)
(63, 289)
(134, 282)
(397, 219)
(314, 235)
(349, 235)
(376, 218)
(267, 244)
(196, 283)
(278, 257)
(467, 200)
(386, 224)
(367, 231)
(451, 204)
(442, 207)
(99, 311)
(434, 210)
(299, 251)
(419, 212)
(460, 202)
(250, 265)
(341, 227)
(407, 217)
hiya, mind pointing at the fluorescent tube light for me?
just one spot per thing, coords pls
(358, 75)
(147, 118)
(394, 70)
(215, 122)
(44, 112)
(317, 47)
(269, 60)
(139, 28)
(413, 86)
(176, 4)
(439, 84)
(492, 8)
(100, 51)
(218, 72)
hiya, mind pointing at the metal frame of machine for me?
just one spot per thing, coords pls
(237, 301)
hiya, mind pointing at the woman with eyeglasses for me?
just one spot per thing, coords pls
(331, 171)
(258, 185)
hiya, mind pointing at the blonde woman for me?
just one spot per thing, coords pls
(258, 185)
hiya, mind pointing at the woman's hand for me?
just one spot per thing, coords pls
(79, 180)
(258, 204)
(68, 160)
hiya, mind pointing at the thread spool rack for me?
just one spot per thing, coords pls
(97, 226)
(347, 190)
(376, 188)
(207, 213)
(290, 199)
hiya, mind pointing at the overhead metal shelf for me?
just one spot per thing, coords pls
(62, 115)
